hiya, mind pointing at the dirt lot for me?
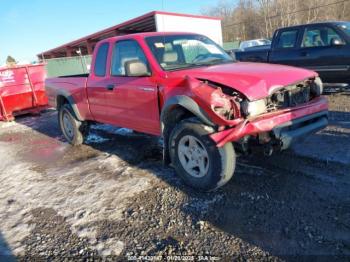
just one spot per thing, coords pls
(113, 198)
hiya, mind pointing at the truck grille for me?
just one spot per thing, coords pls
(289, 97)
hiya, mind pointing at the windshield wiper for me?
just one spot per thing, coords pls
(183, 66)
(198, 64)
(213, 61)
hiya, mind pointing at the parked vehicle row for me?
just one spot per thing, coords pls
(185, 88)
(254, 43)
(322, 47)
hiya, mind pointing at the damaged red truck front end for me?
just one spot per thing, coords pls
(258, 104)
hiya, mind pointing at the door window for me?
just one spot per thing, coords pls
(320, 36)
(101, 60)
(123, 52)
(287, 39)
(345, 27)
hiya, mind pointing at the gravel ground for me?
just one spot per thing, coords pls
(112, 199)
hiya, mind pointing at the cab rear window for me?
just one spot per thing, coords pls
(287, 39)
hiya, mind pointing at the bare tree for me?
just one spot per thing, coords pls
(248, 19)
(10, 61)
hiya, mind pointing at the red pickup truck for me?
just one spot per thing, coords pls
(185, 88)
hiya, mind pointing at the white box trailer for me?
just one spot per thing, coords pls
(208, 26)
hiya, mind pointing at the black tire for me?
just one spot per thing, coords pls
(78, 130)
(220, 162)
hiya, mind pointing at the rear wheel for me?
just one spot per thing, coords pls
(197, 159)
(73, 130)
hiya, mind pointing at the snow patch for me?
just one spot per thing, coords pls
(81, 193)
(113, 130)
(94, 138)
(202, 206)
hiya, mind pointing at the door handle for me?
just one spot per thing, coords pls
(110, 87)
(304, 54)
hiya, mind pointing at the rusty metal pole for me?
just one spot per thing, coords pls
(35, 99)
(3, 109)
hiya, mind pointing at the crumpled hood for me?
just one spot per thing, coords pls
(254, 80)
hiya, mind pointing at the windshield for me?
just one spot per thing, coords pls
(345, 27)
(184, 51)
(253, 43)
(265, 42)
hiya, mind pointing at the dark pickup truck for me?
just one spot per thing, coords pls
(322, 47)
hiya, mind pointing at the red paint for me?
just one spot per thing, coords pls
(268, 121)
(129, 105)
(22, 90)
(254, 80)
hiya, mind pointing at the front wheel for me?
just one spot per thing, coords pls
(73, 130)
(197, 159)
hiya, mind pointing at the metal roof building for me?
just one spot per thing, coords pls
(153, 21)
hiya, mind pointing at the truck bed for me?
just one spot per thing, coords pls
(70, 76)
(71, 87)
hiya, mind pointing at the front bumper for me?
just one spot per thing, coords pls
(287, 125)
(300, 128)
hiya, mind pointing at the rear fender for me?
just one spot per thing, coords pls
(64, 94)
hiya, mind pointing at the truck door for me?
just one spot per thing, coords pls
(324, 50)
(97, 85)
(285, 48)
(132, 101)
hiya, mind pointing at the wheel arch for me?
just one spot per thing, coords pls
(65, 98)
(186, 103)
(176, 109)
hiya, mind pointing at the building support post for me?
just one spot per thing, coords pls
(69, 51)
(89, 47)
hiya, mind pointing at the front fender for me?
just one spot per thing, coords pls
(187, 103)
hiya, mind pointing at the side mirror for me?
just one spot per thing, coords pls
(136, 68)
(232, 54)
(336, 42)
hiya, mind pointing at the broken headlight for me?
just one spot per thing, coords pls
(254, 108)
(316, 87)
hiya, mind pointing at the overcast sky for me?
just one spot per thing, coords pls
(28, 27)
